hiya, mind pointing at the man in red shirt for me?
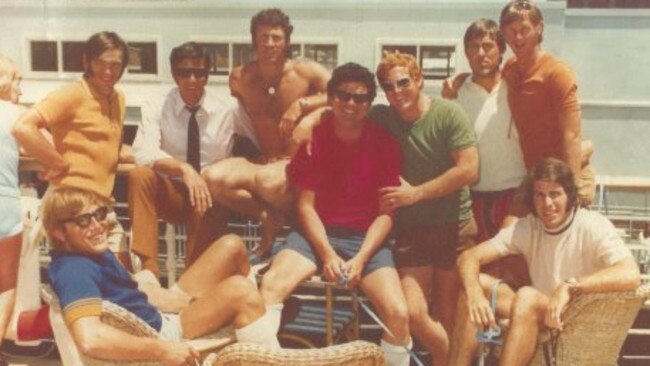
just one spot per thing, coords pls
(342, 228)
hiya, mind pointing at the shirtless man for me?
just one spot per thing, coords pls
(276, 92)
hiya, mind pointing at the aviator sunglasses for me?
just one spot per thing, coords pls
(401, 83)
(84, 220)
(345, 97)
(186, 73)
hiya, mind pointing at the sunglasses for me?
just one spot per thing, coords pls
(186, 73)
(345, 97)
(401, 83)
(84, 220)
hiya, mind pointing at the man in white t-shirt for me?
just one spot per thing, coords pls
(484, 97)
(569, 251)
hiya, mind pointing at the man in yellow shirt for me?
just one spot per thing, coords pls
(86, 119)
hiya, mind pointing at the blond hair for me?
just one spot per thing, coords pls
(63, 204)
(397, 59)
(8, 72)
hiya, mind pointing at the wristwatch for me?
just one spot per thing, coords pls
(575, 289)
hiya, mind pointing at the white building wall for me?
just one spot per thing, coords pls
(609, 49)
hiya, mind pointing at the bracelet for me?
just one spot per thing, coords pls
(575, 289)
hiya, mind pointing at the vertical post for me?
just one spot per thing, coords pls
(170, 264)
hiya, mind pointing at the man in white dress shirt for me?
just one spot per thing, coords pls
(186, 131)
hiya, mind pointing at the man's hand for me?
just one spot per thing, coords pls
(55, 173)
(480, 312)
(198, 191)
(179, 354)
(290, 119)
(452, 84)
(302, 134)
(333, 268)
(556, 305)
(391, 198)
(353, 269)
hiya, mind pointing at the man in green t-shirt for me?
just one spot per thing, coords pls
(434, 220)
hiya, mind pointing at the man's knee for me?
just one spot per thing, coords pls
(269, 178)
(232, 246)
(220, 175)
(275, 286)
(528, 304)
(243, 294)
(397, 313)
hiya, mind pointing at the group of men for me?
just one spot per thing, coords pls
(439, 175)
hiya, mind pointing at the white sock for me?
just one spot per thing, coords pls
(396, 355)
(274, 312)
(262, 331)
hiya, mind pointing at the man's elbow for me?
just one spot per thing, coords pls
(631, 278)
(470, 173)
(89, 343)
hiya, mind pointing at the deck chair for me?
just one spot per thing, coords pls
(596, 326)
(124, 320)
(357, 353)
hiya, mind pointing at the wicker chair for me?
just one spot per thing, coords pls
(357, 353)
(124, 320)
(594, 331)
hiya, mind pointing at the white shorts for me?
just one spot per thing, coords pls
(171, 329)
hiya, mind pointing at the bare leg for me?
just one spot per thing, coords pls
(232, 183)
(234, 299)
(417, 283)
(463, 340)
(446, 285)
(289, 268)
(224, 258)
(528, 311)
(383, 289)
(9, 260)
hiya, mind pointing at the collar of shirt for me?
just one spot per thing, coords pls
(180, 106)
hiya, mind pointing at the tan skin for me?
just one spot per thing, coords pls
(275, 115)
(289, 268)
(419, 283)
(10, 246)
(215, 293)
(106, 71)
(530, 311)
(260, 190)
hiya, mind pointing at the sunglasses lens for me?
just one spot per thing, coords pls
(360, 98)
(82, 220)
(403, 83)
(345, 97)
(186, 73)
(100, 213)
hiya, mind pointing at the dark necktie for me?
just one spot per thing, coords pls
(193, 142)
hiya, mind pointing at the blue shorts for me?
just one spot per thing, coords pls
(346, 243)
(10, 216)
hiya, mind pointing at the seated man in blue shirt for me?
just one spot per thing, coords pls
(210, 294)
